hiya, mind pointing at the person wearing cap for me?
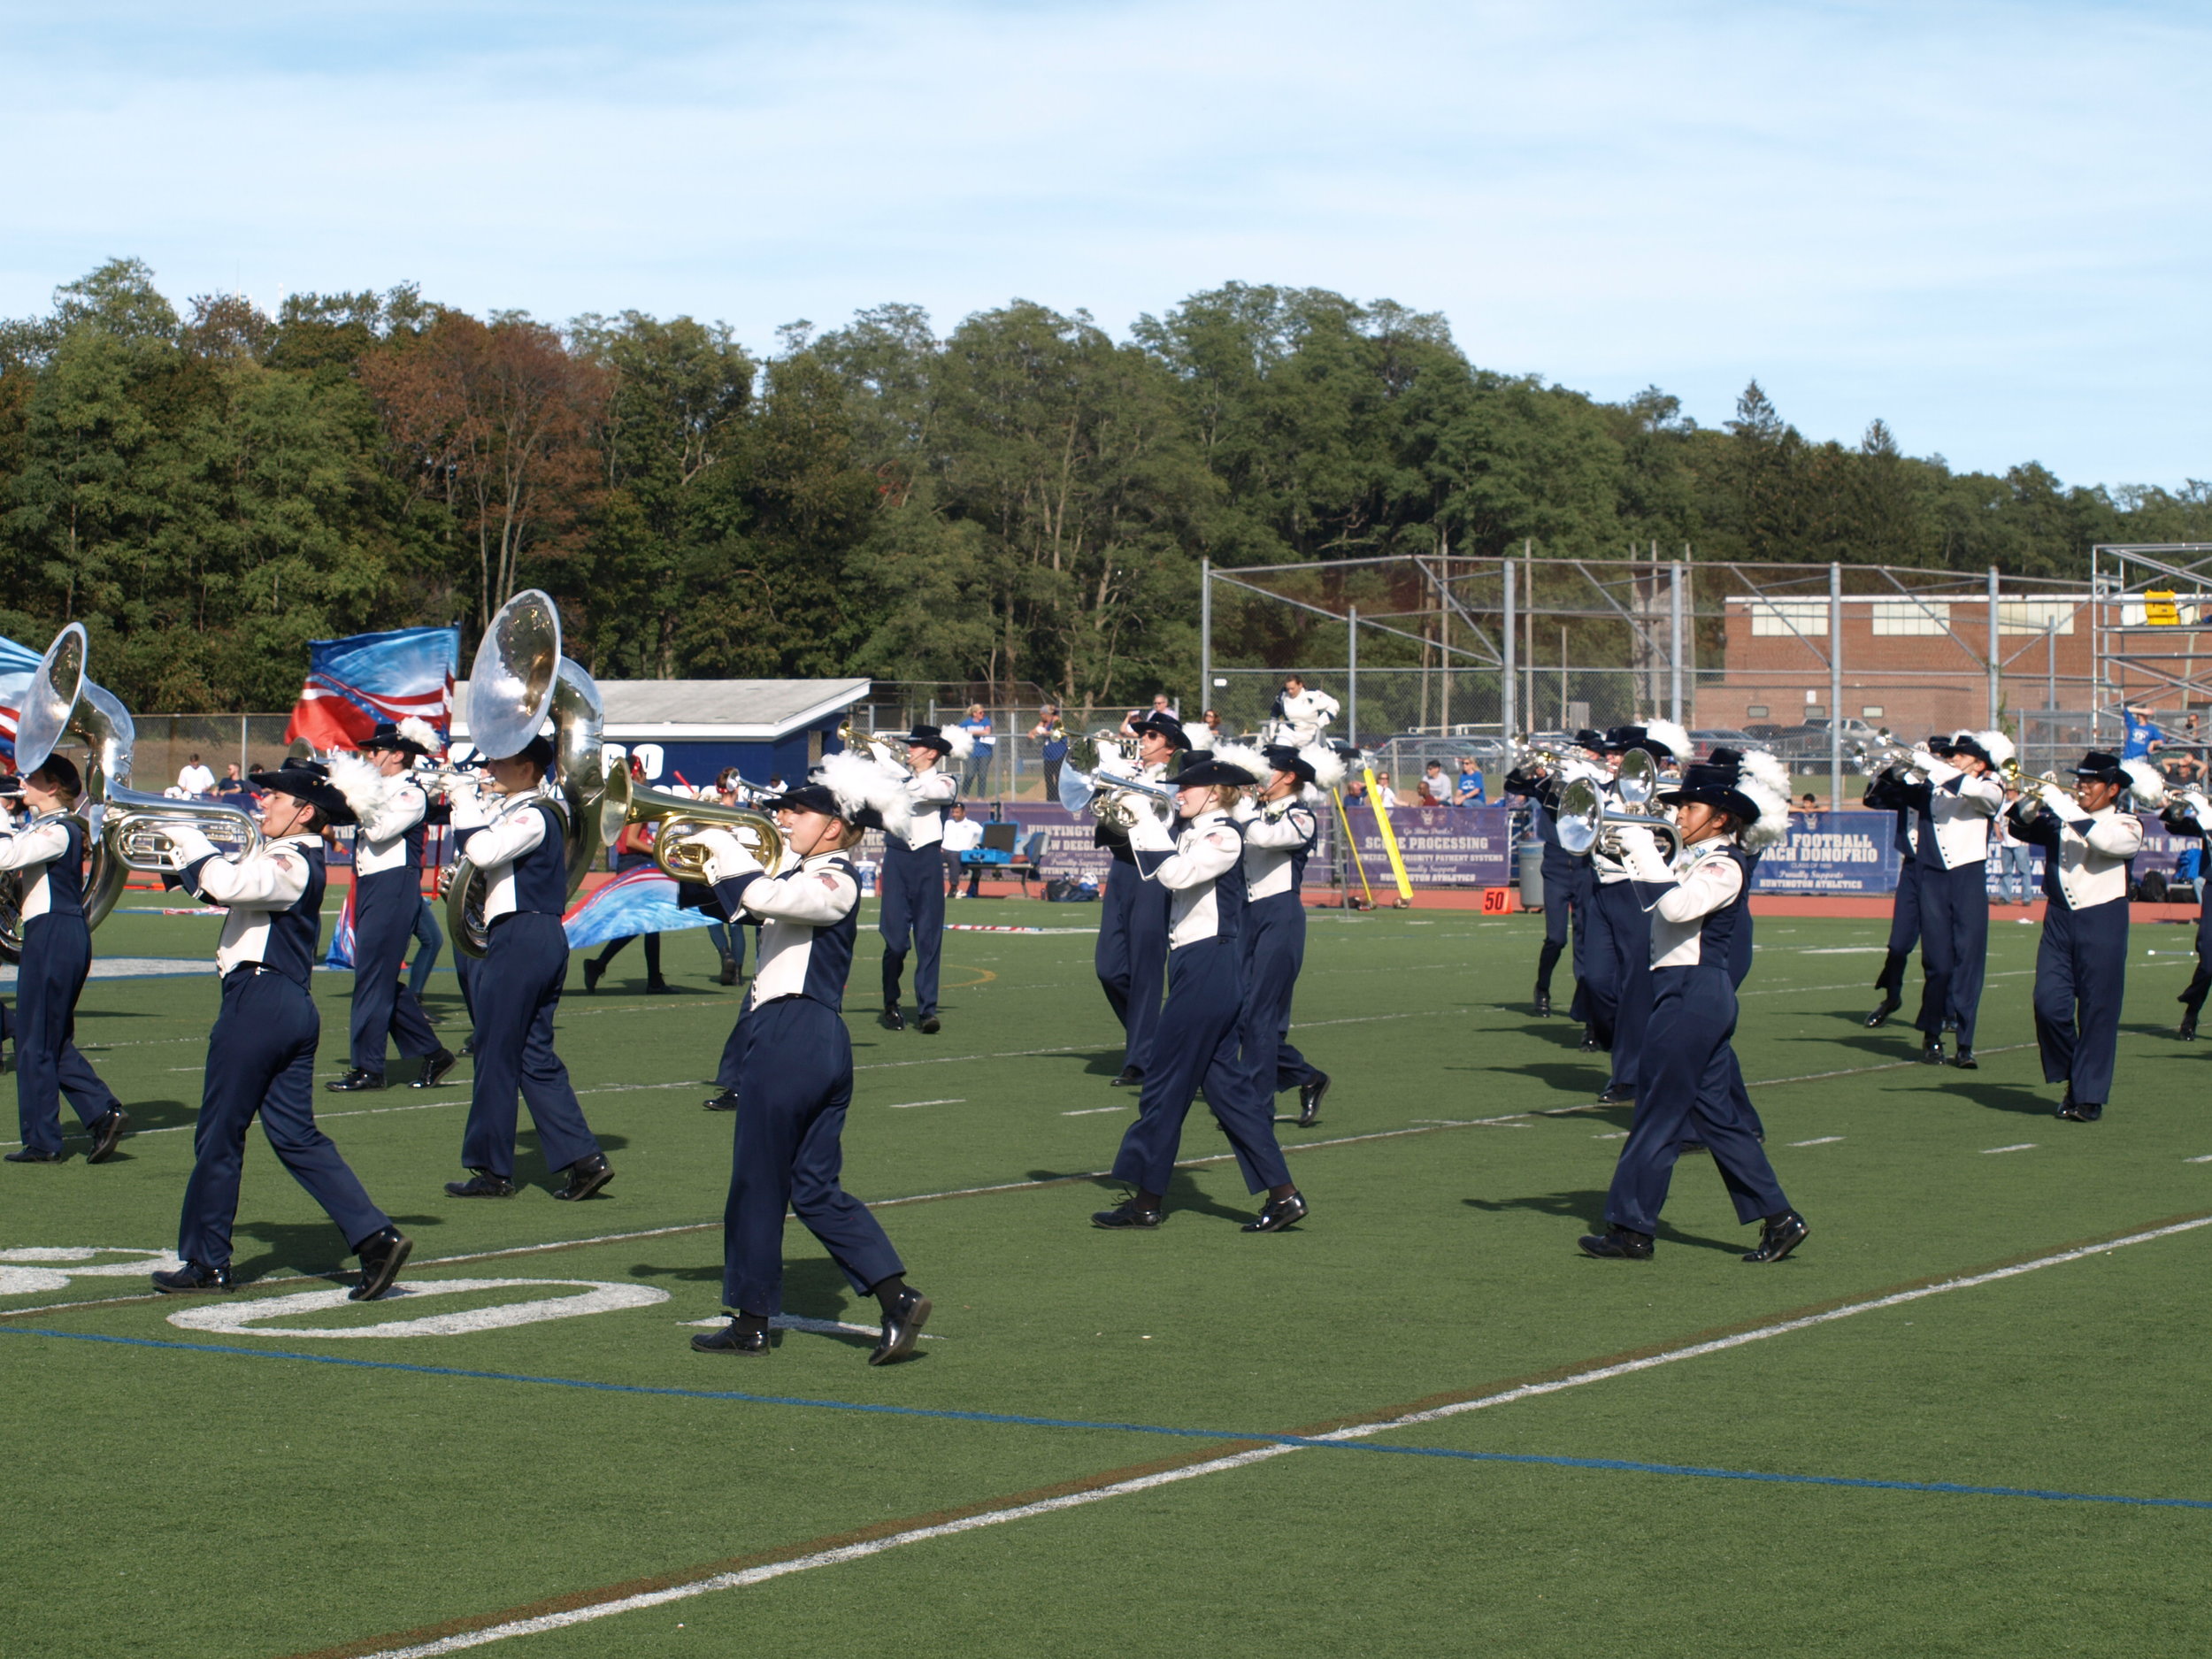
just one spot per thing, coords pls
(48, 855)
(1684, 1093)
(520, 848)
(261, 1054)
(912, 882)
(1621, 938)
(1195, 1044)
(1131, 957)
(2081, 965)
(1567, 878)
(1890, 790)
(794, 1056)
(1280, 827)
(1956, 798)
(390, 811)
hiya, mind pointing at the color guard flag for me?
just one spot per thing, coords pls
(354, 682)
(641, 900)
(340, 952)
(17, 664)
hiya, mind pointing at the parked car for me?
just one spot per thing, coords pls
(1708, 737)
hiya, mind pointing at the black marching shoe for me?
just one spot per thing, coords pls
(1130, 1078)
(2187, 1029)
(1277, 1214)
(729, 971)
(105, 1131)
(481, 1184)
(594, 972)
(1964, 1059)
(587, 1176)
(892, 1019)
(433, 1068)
(1590, 1044)
(930, 1025)
(1616, 1094)
(356, 1082)
(903, 1317)
(1880, 1017)
(32, 1154)
(659, 988)
(742, 1335)
(1310, 1093)
(726, 1102)
(1543, 1002)
(382, 1255)
(1128, 1213)
(2080, 1112)
(1778, 1235)
(469, 1047)
(1932, 1051)
(193, 1276)
(1617, 1244)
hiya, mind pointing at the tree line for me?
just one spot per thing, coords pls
(1024, 498)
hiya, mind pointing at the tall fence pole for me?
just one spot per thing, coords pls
(1835, 685)
(1674, 647)
(1205, 634)
(1351, 674)
(1996, 665)
(1509, 708)
(1528, 628)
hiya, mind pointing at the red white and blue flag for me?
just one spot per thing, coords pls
(17, 664)
(641, 900)
(356, 681)
(340, 952)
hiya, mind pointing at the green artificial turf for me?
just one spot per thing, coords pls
(174, 1501)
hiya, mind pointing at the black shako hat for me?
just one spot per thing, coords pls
(388, 735)
(1200, 774)
(309, 782)
(1283, 757)
(1715, 785)
(2104, 767)
(1587, 738)
(811, 797)
(1618, 740)
(920, 737)
(1166, 725)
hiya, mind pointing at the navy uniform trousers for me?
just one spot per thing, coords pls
(386, 908)
(799, 1058)
(1685, 1095)
(2192, 997)
(1620, 953)
(1195, 1047)
(1130, 959)
(2080, 972)
(1274, 951)
(1904, 927)
(56, 956)
(516, 991)
(1566, 890)
(913, 918)
(261, 1058)
(1954, 947)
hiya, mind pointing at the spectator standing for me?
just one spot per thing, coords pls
(962, 834)
(1436, 788)
(1051, 732)
(195, 778)
(1206, 734)
(2143, 737)
(2013, 858)
(975, 772)
(1469, 792)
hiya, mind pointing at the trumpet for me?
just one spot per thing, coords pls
(2042, 786)
(1876, 758)
(678, 821)
(871, 744)
(434, 779)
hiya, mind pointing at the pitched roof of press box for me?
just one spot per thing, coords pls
(755, 710)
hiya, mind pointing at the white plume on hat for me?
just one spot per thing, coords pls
(364, 787)
(1772, 825)
(1768, 769)
(1329, 767)
(1244, 757)
(1996, 745)
(2146, 780)
(1666, 732)
(415, 729)
(859, 782)
(962, 741)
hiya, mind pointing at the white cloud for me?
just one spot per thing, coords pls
(1983, 223)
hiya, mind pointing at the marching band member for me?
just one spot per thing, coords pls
(1621, 940)
(1567, 880)
(1888, 792)
(48, 853)
(913, 880)
(387, 904)
(633, 851)
(2187, 817)
(1195, 1044)
(516, 987)
(1131, 959)
(1299, 717)
(1684, 1091)
(1957, 799)
(261, 1054)
(796, 1059)
(1279, 832)
(2081, 965)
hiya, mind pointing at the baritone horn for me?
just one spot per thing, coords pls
(1112, 796)
(678, 819)
(1586, 824)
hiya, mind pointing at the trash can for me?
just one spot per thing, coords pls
(1532, 876)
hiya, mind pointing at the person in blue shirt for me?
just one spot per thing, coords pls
(975, 775)
(2142, 736)
(1469, 792)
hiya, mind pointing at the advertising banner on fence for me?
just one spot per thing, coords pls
(1442, 846)
(1832, 852)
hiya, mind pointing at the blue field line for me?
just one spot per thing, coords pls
(1316, 1443)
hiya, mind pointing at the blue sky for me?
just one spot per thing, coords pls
(1986, 224)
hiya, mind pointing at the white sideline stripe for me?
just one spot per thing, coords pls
(1093, 1111)
(1818, 1140)
(2024, 1146)
(2206, 1159)
(1145, 1483)
(900, 1106)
